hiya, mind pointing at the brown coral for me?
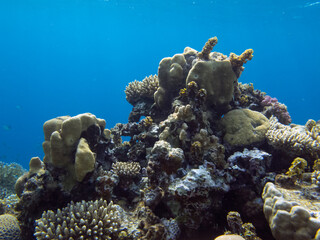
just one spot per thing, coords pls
(238, 61)
(207, 48)
(142, 90)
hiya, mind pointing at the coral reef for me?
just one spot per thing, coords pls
(199, 145)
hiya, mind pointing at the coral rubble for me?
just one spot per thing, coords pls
(201, 145)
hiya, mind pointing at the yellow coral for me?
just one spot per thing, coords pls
(316, 165)
(310, 124)
(297, 167)
(238, 61)
(147, 122)
(207, 48)
(244, 99)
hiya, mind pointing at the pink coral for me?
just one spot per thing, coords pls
(273, 107)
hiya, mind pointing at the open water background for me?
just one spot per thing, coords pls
(69, 57)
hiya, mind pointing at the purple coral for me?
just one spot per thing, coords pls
(273, 107)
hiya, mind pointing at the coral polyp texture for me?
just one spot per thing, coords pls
(9, 227)
(200, 145)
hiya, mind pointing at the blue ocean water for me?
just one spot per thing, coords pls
(69, 57)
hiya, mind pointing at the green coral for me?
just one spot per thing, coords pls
(9, 227)
(9, 173)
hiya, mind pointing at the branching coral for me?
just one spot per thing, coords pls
(238, 61)
(207, 48)
(82, 220)
(142, 90)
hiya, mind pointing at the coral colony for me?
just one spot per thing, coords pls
(206, 153)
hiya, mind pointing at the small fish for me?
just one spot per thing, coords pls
(311, 4)
(6, 127)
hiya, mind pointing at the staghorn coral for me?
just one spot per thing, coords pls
(207, 48)
(295, 140)
(9, 227)
(238, 61)
(142, 91)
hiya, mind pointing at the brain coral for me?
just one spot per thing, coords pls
(82, 220)
(244, 127)
(9, 227)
